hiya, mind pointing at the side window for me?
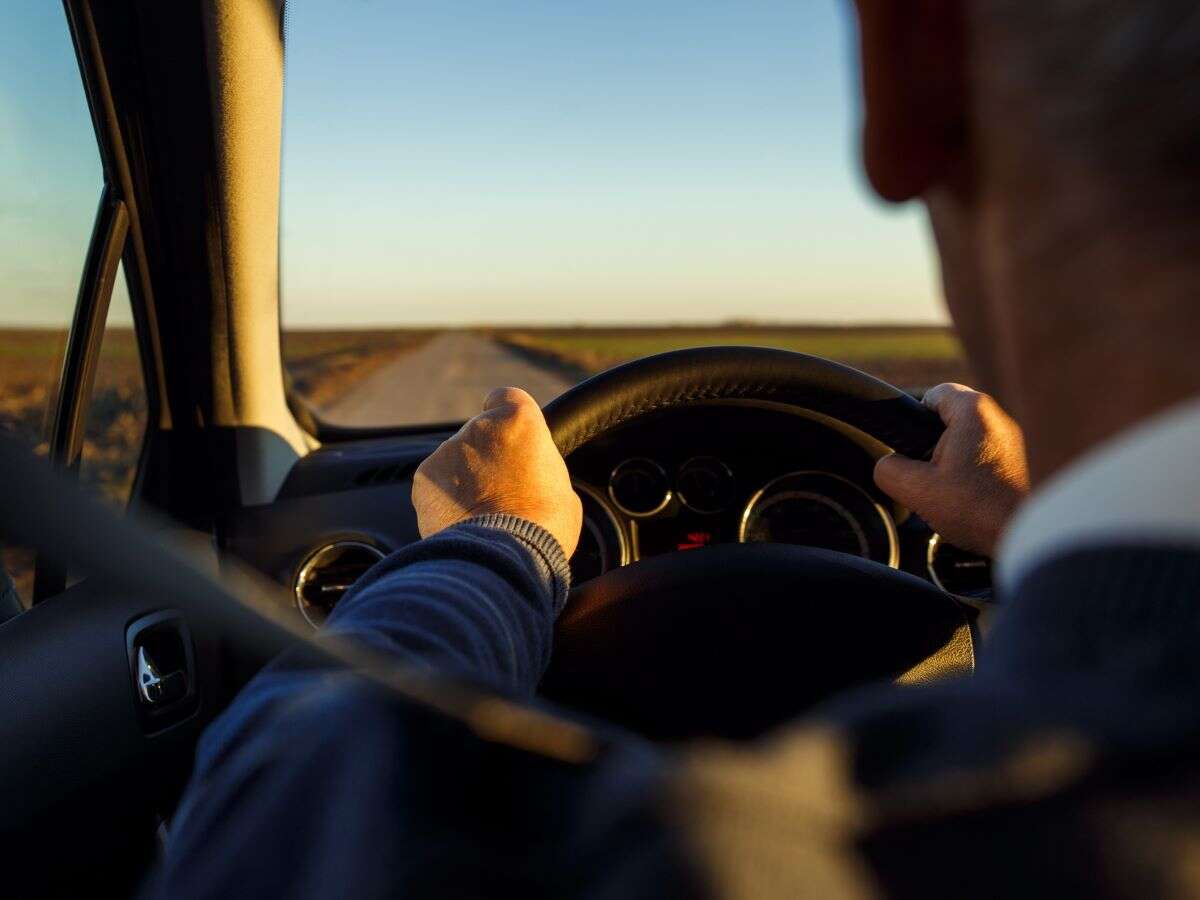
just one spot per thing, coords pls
(32, 360)
(116, 417)
(50, 182)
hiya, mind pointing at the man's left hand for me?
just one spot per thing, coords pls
(976, 478)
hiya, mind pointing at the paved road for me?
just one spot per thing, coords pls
(444, 380)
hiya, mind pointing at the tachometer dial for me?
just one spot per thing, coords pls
(639, 487)
(705, 485)
(818, 509)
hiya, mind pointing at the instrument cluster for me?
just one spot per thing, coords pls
(725, 474)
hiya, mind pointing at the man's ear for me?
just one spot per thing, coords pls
(914, 80)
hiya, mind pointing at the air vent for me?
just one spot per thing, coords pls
(328, 573)
(384, 474)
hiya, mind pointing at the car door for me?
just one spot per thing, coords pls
(61, 243)
(73, 391)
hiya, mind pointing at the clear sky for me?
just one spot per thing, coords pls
(49, 167)
(461, 161)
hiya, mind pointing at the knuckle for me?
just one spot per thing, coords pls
(964, 405)
(435, 459)
(479, 425)
(988, 409)
(516, 395)
(512, 397)
(974, 401)
(482, 430)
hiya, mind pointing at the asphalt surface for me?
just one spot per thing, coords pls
(444, 380)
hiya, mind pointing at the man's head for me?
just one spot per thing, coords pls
(1057, 146)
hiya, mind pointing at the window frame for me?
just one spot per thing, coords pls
(78, 377)
(87, 332)
(110, 245)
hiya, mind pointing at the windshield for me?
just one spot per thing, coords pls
(478, 194)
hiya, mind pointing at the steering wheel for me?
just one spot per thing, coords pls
(733, 639)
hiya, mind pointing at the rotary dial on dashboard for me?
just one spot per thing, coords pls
(639, 487)
(705, 485)
(819, 509)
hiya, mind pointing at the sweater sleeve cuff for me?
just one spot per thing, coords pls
(547, 553)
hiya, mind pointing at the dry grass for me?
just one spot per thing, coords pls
(323, 365)
(116, 423)
(32, 363)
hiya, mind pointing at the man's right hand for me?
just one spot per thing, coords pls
(503, 461)
(976, 478)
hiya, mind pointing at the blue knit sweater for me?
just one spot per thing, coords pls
(1065, 765)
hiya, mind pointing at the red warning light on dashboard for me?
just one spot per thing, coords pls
(695, 540)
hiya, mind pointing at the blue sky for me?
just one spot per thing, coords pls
(527, 160)
(49, 168)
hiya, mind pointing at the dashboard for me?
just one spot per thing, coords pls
(673, 481)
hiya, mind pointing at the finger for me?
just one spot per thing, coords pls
(507, 396)
(905, 480)
(950, 400)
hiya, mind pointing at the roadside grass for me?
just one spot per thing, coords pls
(30, 367)
(322, 365)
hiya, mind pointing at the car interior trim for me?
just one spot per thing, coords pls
(624, 553)
(80, 360)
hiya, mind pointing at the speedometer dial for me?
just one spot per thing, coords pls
(819, 509)
(705, 485)
(639, 487)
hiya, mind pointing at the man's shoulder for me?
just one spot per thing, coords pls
(1069, 758)
(1121, 608)
(1137, 489)
(1069, 786)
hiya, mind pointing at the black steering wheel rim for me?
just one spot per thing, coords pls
(703, 374)
(640, 643)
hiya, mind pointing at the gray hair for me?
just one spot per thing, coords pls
(1115, 84)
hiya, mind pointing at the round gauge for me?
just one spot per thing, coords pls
(602, 545)
(328, 573)
(958, 571)
(639, 487)
(705, 485)
(818, 509)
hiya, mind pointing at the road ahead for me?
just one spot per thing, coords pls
(444, 380)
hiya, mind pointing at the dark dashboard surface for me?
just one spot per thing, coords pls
(666, 483)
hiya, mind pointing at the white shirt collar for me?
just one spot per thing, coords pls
(1143, 485)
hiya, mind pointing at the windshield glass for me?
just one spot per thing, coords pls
(478, 194)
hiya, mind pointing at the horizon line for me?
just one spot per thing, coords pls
(732, 324)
